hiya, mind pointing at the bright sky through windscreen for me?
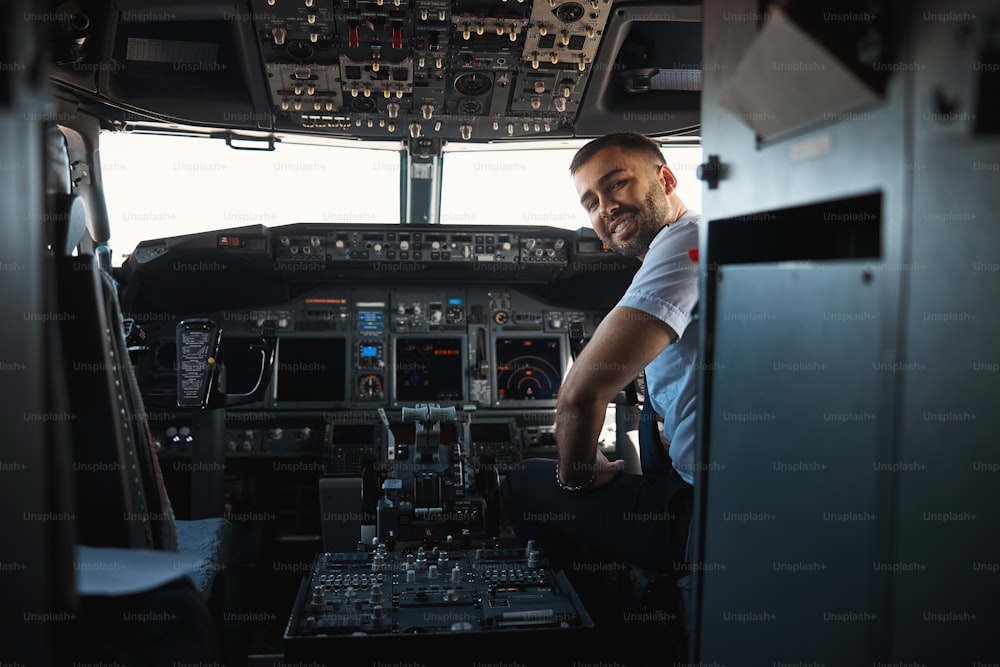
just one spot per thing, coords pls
(159, 186)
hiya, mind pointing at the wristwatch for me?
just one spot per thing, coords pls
(575, 487)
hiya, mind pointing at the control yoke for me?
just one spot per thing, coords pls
(199, 361)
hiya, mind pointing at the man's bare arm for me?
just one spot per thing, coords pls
(624, 343)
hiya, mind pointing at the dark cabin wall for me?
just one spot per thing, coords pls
(850, 276)
(36, 549)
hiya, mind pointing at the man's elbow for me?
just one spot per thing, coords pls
(586, 395)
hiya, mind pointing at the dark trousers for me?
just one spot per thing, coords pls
(168, 626)
(640, 520)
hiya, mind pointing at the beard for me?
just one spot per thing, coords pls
(648, 220)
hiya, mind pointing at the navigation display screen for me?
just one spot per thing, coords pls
(311, 370)
(528, 369)
(429, 369)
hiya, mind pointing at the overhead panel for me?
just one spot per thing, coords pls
(461, 70)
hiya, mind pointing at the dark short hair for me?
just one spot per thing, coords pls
(630, 141)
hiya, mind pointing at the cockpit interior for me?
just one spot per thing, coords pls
(294, 284)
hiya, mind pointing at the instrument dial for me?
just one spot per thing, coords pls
(569, 12)
(473, 84)
(370, 387)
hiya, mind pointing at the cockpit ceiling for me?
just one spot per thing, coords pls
(458, 70)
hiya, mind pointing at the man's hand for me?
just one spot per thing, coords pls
(606, 470)
(623, 344)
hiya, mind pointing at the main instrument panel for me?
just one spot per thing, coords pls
(365, 347)
(343, 353)
(370, 318)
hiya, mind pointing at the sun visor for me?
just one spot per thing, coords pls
(788, 80)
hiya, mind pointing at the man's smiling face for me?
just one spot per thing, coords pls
(625, 195)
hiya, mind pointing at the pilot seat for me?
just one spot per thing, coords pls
(148, 586)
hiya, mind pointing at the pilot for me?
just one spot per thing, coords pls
(583, 509)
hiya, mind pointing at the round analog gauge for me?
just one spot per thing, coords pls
(470, 107)
(569, 12)
(454, 315)
(370, 386)
(473, 84)
(363, 104)
(299, 49)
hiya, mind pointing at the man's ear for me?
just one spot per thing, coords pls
(668, 178)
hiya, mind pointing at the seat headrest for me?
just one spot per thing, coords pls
(57, 176)
(66, 214)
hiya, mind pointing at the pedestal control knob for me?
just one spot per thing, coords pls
(318, 600)
(378, 562)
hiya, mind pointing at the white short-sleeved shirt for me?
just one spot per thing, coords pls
(666, 287)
